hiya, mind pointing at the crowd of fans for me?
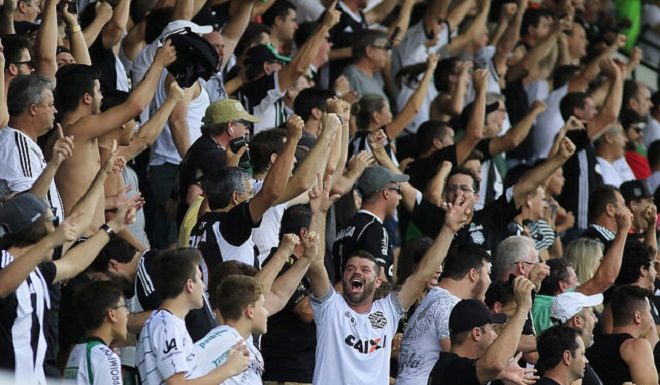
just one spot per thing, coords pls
(328, 192)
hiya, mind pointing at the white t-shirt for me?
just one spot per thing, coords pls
(421, 339)
(353, 348)
(164, 149)
(22, 163)
(548, 123)
(213, 350)
(266, 236)
(93, 363)
(651, 131)
(609, 173)
(164, 348)
(623, 168)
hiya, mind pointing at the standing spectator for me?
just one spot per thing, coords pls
(562, 278)
(478, 355)
(18, 60)
(20, 154)
(652, 129)
(639, 200)
(561, 356)
(381, 194)
(610, 154)
(624, 354)
(104, 311)
(465, 275)
(370, 55)
(165, 347)
(575, 310)
(654, 160)
(605, 204)
(354, 332)
(281, 19)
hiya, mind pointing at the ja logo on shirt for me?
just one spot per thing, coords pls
(169, 345)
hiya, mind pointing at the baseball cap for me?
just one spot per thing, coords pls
(375, 178)
(635, 189)
(566, 305)
(472, 313)
(256, 56)
(226, 110)
(20, 212)
(177, 25)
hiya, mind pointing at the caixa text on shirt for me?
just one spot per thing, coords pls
(366, 346)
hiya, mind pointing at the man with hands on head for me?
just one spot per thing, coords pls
(354, 332)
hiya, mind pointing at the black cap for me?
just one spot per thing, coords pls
(20, 212)
(256, 56)
(471, 313)
(635, 189)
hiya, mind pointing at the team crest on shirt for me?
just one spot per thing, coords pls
(478, 237)
(350, 317)
(378, 320)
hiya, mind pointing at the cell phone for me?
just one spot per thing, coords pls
(72, 6)
(236, 144)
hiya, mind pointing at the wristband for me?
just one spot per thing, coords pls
(108, 230)
(74, 29)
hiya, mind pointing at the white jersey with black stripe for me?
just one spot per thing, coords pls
(22, 162)
(22, 316)
(93, 363)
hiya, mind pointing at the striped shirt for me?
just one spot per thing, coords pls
(22, 162)
(22, 315)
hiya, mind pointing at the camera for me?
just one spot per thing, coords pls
(236, 144)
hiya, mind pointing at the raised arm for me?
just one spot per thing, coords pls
(539, 174)
(610, 266)
(96, 125)
(300, 63)
(276, 180)
(399, 27)
(268, 273)
(240, 11)
(456, 217)
(45, 45)
(378, 13)
(62, 150)
(77, 42)
(103, 15)
(414, 103)
(7, 17)
(475, 126)
(535, 55)
(502, 350)
(153, 127)
(610, 110)
(313, 164)
(18, 271)
(113, 30)
(515, 136)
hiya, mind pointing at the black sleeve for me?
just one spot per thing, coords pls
(373, 240)
(48, 270)
(429, 218)
(237, 225)
(501, 211)
(446, 153)
(457, 371)
(484, 147)
(579, 138)
(145, 288)
(210, 161)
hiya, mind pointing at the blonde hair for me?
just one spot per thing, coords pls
(585, 256)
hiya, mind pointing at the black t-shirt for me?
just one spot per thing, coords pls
(451, 369)
(365, 232)
(487, 229)
(198, 322)
(423, 169)
(605, 358)
(590, 376)
(252, 95)
(221, 236)
(546, 381)
(290, 344)
(203, 158)
(581, 178)
(343, 35)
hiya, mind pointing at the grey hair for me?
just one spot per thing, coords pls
(511, 250)
(26, 90)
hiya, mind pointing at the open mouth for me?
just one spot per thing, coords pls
(356, 284)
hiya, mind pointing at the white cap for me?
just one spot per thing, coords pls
(566, 305)
(181, 24)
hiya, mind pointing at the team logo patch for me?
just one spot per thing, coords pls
(478, 237)
(378, 320)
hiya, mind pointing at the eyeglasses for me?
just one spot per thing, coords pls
(395, 188)
(465, 188)
(29, 63)
(123, 305)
